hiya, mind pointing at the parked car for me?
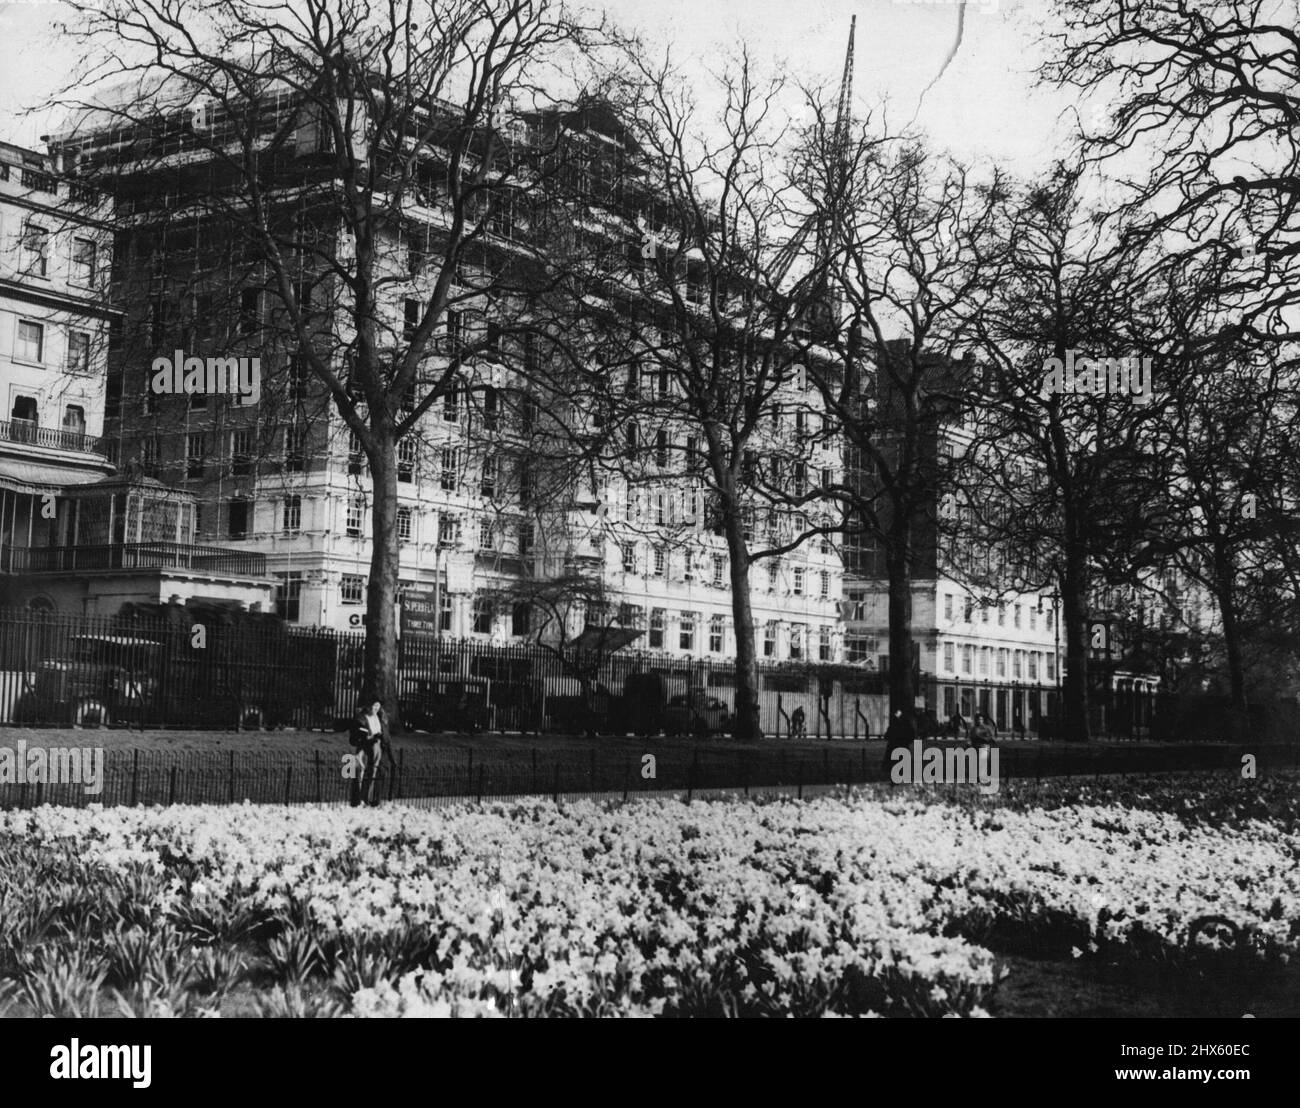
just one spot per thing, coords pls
(696, 713)
(445, 706)
(99, 680)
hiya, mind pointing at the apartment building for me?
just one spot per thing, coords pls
(75, 536)
(489, 503)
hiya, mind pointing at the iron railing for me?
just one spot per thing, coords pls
(29, 432)
(432, 776)
(134, 555)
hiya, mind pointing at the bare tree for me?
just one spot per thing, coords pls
(367, 165)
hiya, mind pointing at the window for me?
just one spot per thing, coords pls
(78, 352)
(1017, 664)
(527, 414)
(31, 341)
(1033, 619)
(356, 456)
(631, 442)
(661, 449)
(487, 534)
(686, 631)
(403, 524)
(241, 451)
(796, 641)
(526, 539)
(455, 329)
(773, 573)
(1002, 615)
(411, 318)
(250, 311)
(36, 251)
(356, 511)
(656, 628)
(769, 639)
(448, 531)
(482, 616)
(661, 561)
(1002, 661)
(984, 661)
(1051, 667)
(83, 262)
(288, 594)
(1017, 615)
(295, 438)
(444, 611)
(492, 338)
(451, 404)
(715, 635)
(74, 419)
(1033, 665)
(526, 484)
(292, 514)
(970, 609)
(824, 585)
(491, 410)
(406, 453)
(194, 455)
(824, 644)
(237, 518)
(299, 375)
(719, 568)
(488, 480)
(968, 659)
(661, 513)
(1050, 619)
(520, 618)
(688, 569)
(949, 657)
(628, 551)
(797, 587)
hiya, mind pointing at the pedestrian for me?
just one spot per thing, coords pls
(957, 725)
(899, 735)
(797, 723)
(982, 735)
(369, 738)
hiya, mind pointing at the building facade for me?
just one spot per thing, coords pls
(489, 503)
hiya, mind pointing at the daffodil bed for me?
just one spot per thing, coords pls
(876, 903)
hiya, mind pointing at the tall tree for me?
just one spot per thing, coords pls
(364, 161)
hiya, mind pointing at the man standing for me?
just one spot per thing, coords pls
(369, 739)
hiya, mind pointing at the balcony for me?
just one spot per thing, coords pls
(27, 431)
(39, 181)
(132, 556)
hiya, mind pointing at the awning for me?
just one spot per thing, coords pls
(42, 477)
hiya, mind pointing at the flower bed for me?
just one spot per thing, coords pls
(880, 903)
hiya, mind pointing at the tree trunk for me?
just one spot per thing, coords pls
(380, 661)
(746, 725)
(1074, 612)
(1225, 595)
(902, 693)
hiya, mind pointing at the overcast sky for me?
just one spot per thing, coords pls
(985, 106)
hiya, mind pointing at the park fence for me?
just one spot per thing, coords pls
(230, 672)
(435, 772)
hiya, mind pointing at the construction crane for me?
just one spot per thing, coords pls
(815, 221)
